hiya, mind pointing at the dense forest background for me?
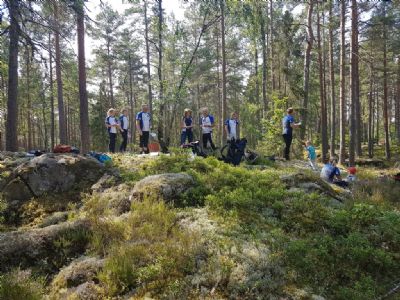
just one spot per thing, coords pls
(336, 62)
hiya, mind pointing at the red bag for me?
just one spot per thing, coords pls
(62, 149)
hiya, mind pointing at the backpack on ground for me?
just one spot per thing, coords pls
(234, 151)
(101, 157)
(196, 149)
(62, 149)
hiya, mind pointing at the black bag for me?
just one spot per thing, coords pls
(196, 149)
(235, 151)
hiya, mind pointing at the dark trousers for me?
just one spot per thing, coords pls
(111, 145)
(208, 138)
(124, 143)
(144, 141)
(188, 134)
(288, 142)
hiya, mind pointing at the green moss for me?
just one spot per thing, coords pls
(19, 285)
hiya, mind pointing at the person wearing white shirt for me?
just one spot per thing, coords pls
(231, 127)
(124, 122)
(143, 125)
(113, 126)
(207, 124)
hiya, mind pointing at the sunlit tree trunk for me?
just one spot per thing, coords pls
(332, 83)
(323, 109)
(224, 112)
(306, 70)
(264, 62)
(83, 98)
(12, 100)
(342, 112)
(62, 126)
(146, 33)
(385, 91)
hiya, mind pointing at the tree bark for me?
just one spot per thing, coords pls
(12, 100)
(83, 97)
(323, 110)
(264, 63)
(28, 97)
(397, 103)
(146, 33)
(332, 84)
(223, 55)
(110, 73)
(342, 113)
(354, 92)
(62, 126)
(52, 123)
(306, 71)
(161, 121)
(370, 115)
(271, 44)
(385, 91)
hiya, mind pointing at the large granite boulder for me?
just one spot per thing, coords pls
(52, 174)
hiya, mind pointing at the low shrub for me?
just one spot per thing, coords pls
(19, 284)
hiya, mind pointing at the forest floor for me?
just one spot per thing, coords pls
(174, 227)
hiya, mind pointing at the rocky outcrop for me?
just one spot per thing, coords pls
(311, 183)
(81, 270)
(52, 244)
(52, 173)
(168, 187)
(54, 179)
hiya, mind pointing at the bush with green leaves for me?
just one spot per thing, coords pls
(19, 284)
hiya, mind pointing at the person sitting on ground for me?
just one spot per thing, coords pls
(187, 127)
(352, 174)
(231, 127)
(287, 133)
(311, 155)
(207, 124)
(113, 126)
(143, 125)
(331, 173)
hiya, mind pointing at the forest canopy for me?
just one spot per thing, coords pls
(337, 63)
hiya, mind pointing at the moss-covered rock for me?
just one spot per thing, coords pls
(81, 270)
(167, 187)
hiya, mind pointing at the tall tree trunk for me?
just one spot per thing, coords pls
(83, 97)
(28, 97)
(385, 91)
(52, 123)
(306, 71)
(264, 63)
(146, 33)
(354, 92)
(397, 103)
(132, 102)
(162, 114)
(223, 55)
(332, 83)
(62, 126)
(12, 100)
(323, 111)
(357, 103)
(110, 73)
(220, 117)
(342, 110)
(271, 44)
(370, 114)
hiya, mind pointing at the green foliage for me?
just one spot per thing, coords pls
(156, 255)
(19, 284)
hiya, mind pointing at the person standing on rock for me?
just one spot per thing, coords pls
(143, 125)
(207, 124)
(124, 122)
(288, 124)
(187, 127)
(112, 127)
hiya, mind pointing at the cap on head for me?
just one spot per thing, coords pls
(290, 110)
(110, 111)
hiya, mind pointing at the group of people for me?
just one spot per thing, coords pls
(120, 124)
